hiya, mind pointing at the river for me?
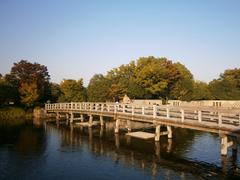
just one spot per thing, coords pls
(49, 151)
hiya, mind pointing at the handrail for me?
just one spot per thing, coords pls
(201, 115)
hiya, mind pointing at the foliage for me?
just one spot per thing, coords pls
(72, 91)
(201, 91)
(8, 93)
(157, 76)
(29, 93)
(182, 89)
(14, 114)
(98, 89)
(55, 92)
(227, 87)
(32, 79)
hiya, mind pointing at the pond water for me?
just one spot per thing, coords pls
(71, 152)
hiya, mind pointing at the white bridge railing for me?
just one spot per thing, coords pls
(206, 116)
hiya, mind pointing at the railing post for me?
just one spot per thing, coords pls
(143, 108)
(200, 116)
(219, 120)
(108, 107)
(154, 111)
(123, 108)
(115, 109)
(133, 110)
(102, 106)
(182, 115)
(168, 115)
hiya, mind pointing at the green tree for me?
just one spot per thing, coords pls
(72, 91)
(123, 81)
(8, 92)
(98, 89)
(55, 92)
(182, 89)
(227, 87)
(201, 91)
(157, 76)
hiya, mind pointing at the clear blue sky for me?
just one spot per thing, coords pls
(79, 38)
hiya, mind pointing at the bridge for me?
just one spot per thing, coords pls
(222, 121)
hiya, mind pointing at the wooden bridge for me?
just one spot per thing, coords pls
(225, 122)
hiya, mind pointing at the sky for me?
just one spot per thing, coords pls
(79, 38)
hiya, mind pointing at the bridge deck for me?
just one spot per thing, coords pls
(203, 119)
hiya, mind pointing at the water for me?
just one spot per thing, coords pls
(67, 152)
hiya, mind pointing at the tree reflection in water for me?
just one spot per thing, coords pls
(149, 156)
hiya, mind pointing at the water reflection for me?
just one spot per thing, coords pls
(22, 148)
(148, 156)
(49, 151)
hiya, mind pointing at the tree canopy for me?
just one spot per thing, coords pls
(227, 86)
(72, 91)
(32, 80)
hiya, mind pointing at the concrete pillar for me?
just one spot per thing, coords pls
(129, 126)
(82, 117)
(67, 118)
(224, 145)
(71, 117)
(219, 120)
(167, 111)
(169, 130)
(199, 116)
(117, 126)
(157, 132)
(57, 116)
(90, 122)
(182, 115)
(101, 121)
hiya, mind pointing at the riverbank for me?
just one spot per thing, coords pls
(15, 115)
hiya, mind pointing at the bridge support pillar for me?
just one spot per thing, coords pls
(90, 122)
(227, 142)
(81, 117)
(129, 126)
(67, 118)
(157, 132)
(71, 117)
(117, 126)
(101, 121)
(57, 117)
(169, 130)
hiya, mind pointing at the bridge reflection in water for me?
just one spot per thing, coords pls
(149, 156)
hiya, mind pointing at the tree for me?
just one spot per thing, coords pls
(123, 81)
(28, 76)
(8, 92)
(201, 91)
(227, 86)
(72, 91)
(157, 76)
(182, 89)
(98, 89)
(29, 93)
(55, 92)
